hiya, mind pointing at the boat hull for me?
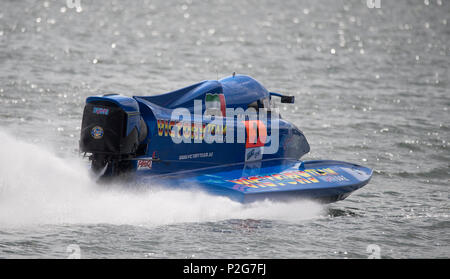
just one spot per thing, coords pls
(287, 179)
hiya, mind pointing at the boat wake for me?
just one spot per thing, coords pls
(38, 187)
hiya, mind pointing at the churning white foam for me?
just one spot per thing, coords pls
(37, 187)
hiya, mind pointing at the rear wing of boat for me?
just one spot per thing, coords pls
(284, 98)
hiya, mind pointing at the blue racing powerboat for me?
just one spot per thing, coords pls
(223, 136)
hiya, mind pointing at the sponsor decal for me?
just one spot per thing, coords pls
(215, 104)
(196, 155)
(253, 154)
(256, 133)
(97, 132)
(283, 179)
(144, 164)
(147, 164)
(187, 129)
(357, 173)
(256, 130)
(333, 178)
(100, 111)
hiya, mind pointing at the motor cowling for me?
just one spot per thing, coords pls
(112, 129)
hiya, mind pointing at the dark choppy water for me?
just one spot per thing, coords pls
(372, 87)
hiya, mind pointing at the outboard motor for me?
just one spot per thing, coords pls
(113, 132)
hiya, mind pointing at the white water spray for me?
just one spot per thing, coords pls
(37, 187)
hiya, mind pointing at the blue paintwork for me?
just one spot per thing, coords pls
(239, 90)
(242, 90)
(216, 167)
(126, 103)
(184, 97)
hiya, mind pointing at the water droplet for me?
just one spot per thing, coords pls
(333, 51)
